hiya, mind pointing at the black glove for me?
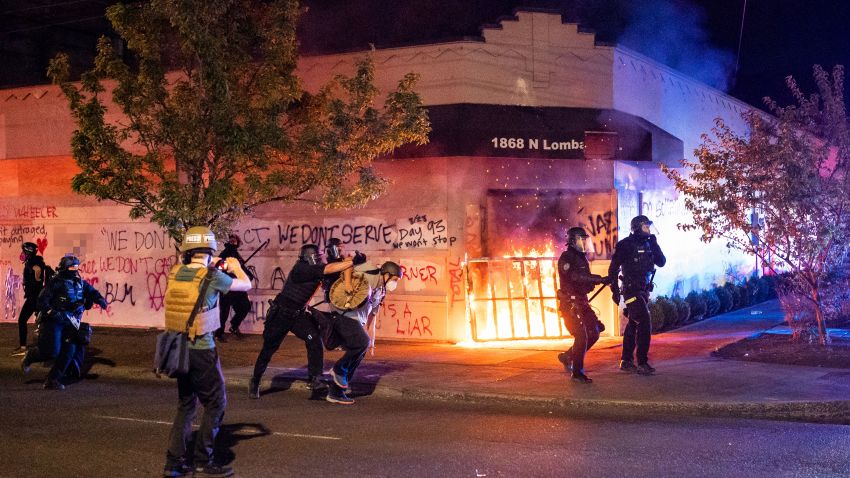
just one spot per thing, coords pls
(615, 295)
(600, 326)
(653, 241)
(102, 303)
(359, 258)
(605, 280)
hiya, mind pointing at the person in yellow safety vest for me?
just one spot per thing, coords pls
(204, 382)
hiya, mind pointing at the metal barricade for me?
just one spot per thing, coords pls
(513, 298)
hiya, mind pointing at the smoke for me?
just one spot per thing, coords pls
(673, 33)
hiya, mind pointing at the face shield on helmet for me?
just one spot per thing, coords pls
(578, 239)
(585, 245)
(310, 254)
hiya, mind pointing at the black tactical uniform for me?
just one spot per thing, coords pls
(34, 277)
(636, 256)
(237, 300)
(287, 314)
(576, 282)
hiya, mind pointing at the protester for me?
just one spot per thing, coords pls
(352, 326)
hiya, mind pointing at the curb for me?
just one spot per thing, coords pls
(829, 412)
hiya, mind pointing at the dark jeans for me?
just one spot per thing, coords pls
(241, 305)
(280, 322)
(354, 340)
(583, 325)
(57, 339)
(204, 383)
(29, 307)
(638, 328)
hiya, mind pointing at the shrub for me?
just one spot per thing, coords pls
(656, 313)
(736, 294)
(712, 303)
(696, 303)
(725, 298)
(683, 311)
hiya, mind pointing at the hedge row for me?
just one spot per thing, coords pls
(671, 312)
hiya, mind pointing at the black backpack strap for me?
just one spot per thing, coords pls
(202, 292)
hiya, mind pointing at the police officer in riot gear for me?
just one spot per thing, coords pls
(636, 258)
(235, 299)
(333, 253)
(576, 282)
(63, 301)
(288, 314)
(34, 279)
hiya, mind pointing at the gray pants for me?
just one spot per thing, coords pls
(204, 383)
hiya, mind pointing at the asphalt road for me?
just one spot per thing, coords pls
(118, 429)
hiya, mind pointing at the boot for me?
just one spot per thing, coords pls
(645, 369)
(566, 359)
(53, 384)
(628, 366)
(316, 384)
(254, 388)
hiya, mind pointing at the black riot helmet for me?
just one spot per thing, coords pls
(579, 239)
(333, 253)
(309, 253)
(638, 223)
(68, 261)
(391, 268)
(29, 248)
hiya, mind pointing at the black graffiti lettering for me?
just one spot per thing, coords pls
(436, 227)
(277, 276)
(115, 240)
(117, 292)
(151, 240)
(286, 234)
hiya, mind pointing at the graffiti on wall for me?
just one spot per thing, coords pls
(129, 262)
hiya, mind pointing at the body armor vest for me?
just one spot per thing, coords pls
(184, 287)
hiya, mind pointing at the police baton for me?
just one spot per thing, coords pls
(258, 249)
(597, 292)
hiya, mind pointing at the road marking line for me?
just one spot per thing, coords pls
(159, 422)
(298, 435)
(133, 419)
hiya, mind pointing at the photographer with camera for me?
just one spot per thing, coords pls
(197, 284)
(637, 256)
(62, 303)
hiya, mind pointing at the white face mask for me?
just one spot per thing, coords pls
(391, 285)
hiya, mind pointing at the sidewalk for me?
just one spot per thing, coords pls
(689, 380)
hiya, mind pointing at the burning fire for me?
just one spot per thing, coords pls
(514, 297)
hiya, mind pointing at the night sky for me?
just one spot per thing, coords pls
(697, 37)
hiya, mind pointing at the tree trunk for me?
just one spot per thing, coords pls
(819, 316)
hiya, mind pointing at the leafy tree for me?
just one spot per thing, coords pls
(791, 169)
(213, 119)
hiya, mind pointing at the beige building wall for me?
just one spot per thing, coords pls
(433, 218)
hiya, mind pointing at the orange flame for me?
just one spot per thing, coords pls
(519, 300)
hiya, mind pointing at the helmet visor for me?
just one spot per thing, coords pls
(585, 244)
